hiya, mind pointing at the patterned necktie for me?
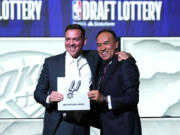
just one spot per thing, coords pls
(103, 75)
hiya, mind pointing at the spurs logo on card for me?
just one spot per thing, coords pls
(73, 87)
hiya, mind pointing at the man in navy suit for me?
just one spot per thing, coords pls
(58, 122)
(116, 89)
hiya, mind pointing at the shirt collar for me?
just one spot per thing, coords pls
(70, 59)
(105, 62)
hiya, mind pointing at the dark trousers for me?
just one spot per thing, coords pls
(67, 128)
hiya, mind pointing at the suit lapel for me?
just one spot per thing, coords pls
(109, 71)
(92, 59)
(96, 76)
(61, 65)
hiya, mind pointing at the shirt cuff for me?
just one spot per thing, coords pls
(109, 102)
(47, 99)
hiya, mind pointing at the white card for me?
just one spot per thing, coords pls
(75, 93)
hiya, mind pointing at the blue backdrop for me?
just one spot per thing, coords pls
(57, 14)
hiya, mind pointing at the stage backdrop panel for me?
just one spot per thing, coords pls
(21, 61)
(48, 18)
(158, 62)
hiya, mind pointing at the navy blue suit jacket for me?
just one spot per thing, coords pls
(121, 82)
(55, 67)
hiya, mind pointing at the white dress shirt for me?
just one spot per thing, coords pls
(76, 67)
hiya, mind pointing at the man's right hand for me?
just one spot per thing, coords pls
(123, 55)
(55, 97)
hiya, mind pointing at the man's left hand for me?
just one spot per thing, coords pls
(95, 95)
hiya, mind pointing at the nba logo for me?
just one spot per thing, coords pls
(76, 10)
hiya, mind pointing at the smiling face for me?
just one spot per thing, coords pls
(106, 45)
(74, 42)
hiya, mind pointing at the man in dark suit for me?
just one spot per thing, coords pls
(58, 122)
(116, 89)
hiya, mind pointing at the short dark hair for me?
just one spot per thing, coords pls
(76, 26)
(107, 30)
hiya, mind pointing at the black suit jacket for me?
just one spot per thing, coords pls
(55, 67)
(121, 82)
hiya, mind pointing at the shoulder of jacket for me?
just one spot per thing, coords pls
(90, 53)
(54, 57)
(128, 61)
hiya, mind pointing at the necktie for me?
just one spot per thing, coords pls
(74, 72)
(78, 65)
(103, 75)
(75, 116)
